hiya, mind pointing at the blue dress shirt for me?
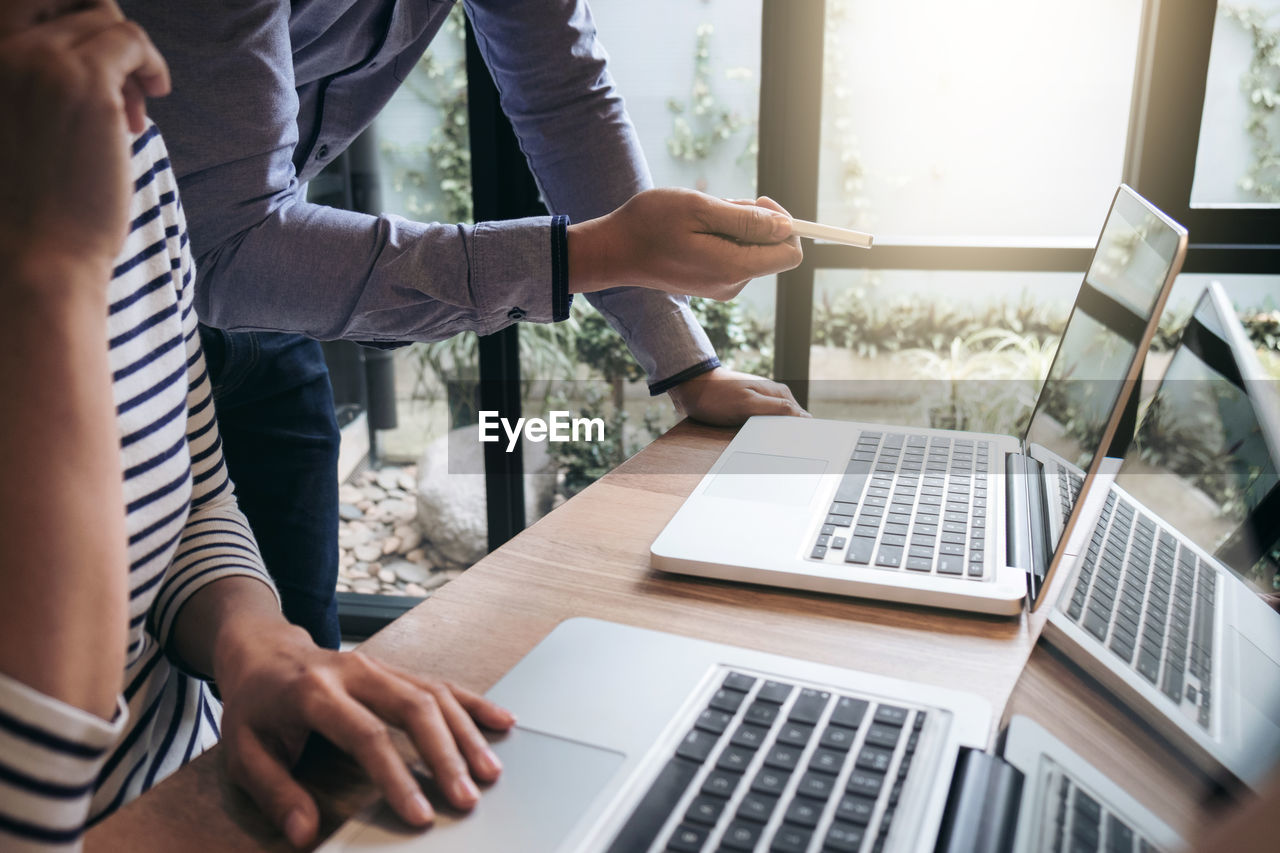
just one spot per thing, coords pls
(266, 93)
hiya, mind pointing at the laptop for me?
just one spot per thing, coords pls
(962, 520)
(1148, 609)
(634, 741)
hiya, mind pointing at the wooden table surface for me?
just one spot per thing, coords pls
(590, 558)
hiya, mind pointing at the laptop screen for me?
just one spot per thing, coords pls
(1203, 456)
(1120, 294)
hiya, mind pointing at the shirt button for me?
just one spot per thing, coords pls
(322, 152)
(515, 314)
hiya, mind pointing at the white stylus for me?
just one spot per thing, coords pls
(814, 231)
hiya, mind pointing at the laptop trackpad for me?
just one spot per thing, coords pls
(1259, 680)
(767, 478)
(547, 785)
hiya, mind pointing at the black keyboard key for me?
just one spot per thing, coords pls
(860, 550)
(1147, 665)
(890, 556)
(687, 838)
(791, 839)
(856, 474)
(756, 806)
(855, 808)
(749, 736)
(950, 564)
(726, 699)
(735, 758)
(713, 721)
(804, 811)
(883, 735)
(919, 564)
(874, 758)
(739, 681)
(741, 835)
(865, 782)
(844, 838)
(769, 781)
(891, 715)
(819, 552)
(704, 810)
(838, 520)
(1096, 624)
(815, 784)
(827, 761)
(838, 738)
(652, 811)
(720, 783)
(696, 745)
(808, 706)
(795, 734)
(849, 712)
(762, 713)
(783, 757)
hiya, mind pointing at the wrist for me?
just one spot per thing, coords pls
(53, 277)
(588, 257)
(240, 641)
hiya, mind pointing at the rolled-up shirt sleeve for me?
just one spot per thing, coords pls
(270, 260)
(573, 127)
(50, 757)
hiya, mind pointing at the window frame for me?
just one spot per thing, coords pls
(1172, 60)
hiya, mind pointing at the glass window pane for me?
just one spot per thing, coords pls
(1238, 161)
(999, 117)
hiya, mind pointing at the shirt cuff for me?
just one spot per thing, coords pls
(51, 753)
(520, 271)
(698, 369)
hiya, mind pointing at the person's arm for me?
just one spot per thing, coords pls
(217, 614)
(551, 88)
(70, 89)
(267, 258)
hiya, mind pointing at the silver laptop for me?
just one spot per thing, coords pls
(970, 521)
(633, 741)
(1155, 608)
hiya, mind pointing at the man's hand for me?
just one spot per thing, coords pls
(73, 87)
(722, 397)
(682, 241)
(278, 687)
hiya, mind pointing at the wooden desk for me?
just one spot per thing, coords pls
(590, 558)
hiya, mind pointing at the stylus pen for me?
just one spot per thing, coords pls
(814, 231)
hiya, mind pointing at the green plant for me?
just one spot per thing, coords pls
(855, 319)
(742, 340)
(984, 382)
(441, 168)
(700, 125)
(1260, 83)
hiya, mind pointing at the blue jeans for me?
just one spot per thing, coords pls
(280, 440)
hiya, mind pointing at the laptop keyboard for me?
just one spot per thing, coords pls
(778, 767)
(1069, 485)
(916, 503)
(1151, 600)
(1079, 823)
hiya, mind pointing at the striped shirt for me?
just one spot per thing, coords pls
(60, 767)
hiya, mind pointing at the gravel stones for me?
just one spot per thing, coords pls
(381, 546)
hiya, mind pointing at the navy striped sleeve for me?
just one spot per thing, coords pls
(50, 756)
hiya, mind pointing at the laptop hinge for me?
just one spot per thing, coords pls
(1026, 519)
(982, 809)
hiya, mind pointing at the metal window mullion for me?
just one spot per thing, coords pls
(791, 51)
(1164, 138)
